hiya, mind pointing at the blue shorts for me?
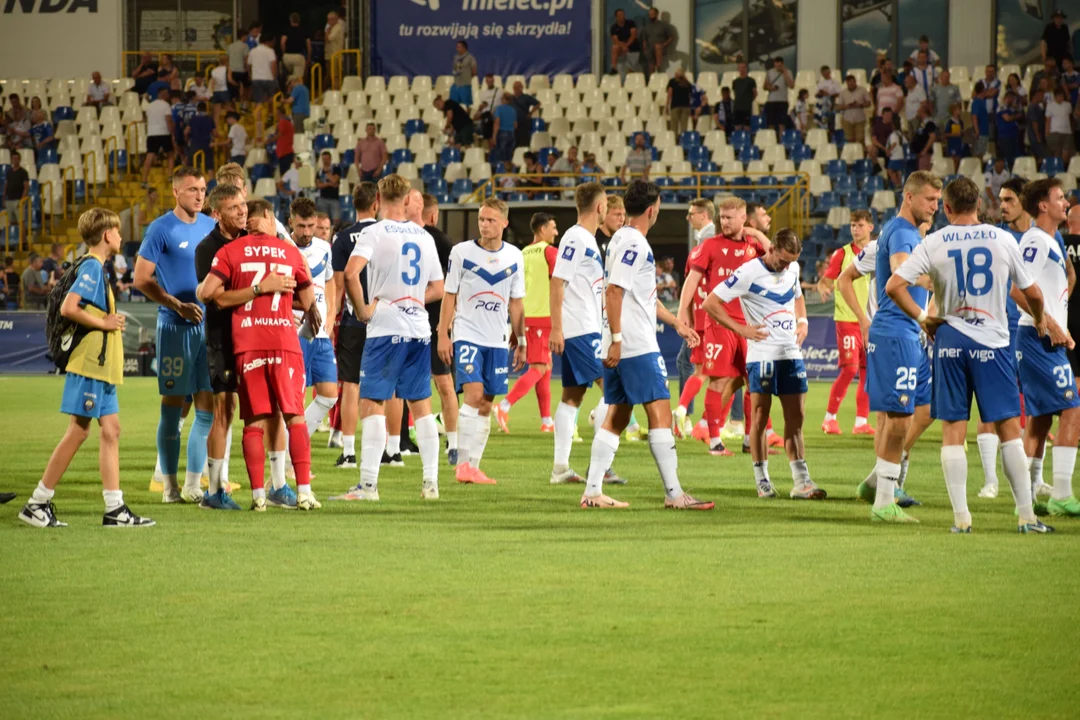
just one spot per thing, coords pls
(88, 398)
(480, 364)
(461, 94)
(898, 165)
(964, 368)
(1047, 376)
(181, 359)
(777, 377)
(320, 364)
(581, 364)
(636, 381)
(897, 374)
(396, 365)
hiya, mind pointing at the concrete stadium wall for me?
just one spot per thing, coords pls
(60, 38)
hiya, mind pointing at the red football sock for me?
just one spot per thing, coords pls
(300, 452)
(335, 412)
(690, 390)
(523, 385)
(1023, 415)
(543, 394)
(715, 413)
(840, 387)
(862, 398)
(254, 457)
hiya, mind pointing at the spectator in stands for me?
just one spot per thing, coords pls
(459, 126)
(889, 94)
(658, 35)
(568, 164)
(875, 79)
(1036, 125)
(724, 111)
(200, 90)
(625, 45)
(183, 110)
(1048, 72)
(1056, 42)
(913, 99)
(896, 152)
(549, 166)
(678, 102)
(328, 182)
(489, 98)
(121, 278)
(980, 120)
(590, 166)
(943, 96)
(1059, 131)
(299, 101)
(667, 290)
(43, 134)
(924, 46)
(34, 286)
(504, 129)
(1013, 84)
(282, 137)
(638, 161)
(289, 184)
(825, 97)
(744, 88)
(995, 177)
(699, 103)
(800, 114)
(525, 105)
(334, 43)
(532, 174)
(905, 70)
(778, 80)
(263, 66)
(16, 188)
(1070, 81)
(220, 80)
(1008, 127)
(144, 73)
(463, 68)
(53, 266)
(318, 56)
(879, 134)
(253, 34)
(955, 146)
(295, 47)
(924, 73)
(924, 135)
(371, 155)
(852, 102)
(239, 80)
(11, 284)
(991, 91)
(235, 139)
(98, 93)
(168, 72)
(700, 216)
(17, 123)
(199, 135)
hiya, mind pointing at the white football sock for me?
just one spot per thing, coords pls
(277, 469)
(372, 444)
(662, 445)
(481, 431)
(1035, 471)
(113, 499)
(215, 474)
(830, 416)
(451, 440)
(427, 439)
(564, 435)
(41, 494)
(348, 446)
(902, 477)
(1064, 464)
(1014, 463)
(888, 473)
(954, 466)
(605, 445)
(599, 415)
(225, 460)
(859, 421)
(505, 405)
(260, 493)
(393, 445)
(468, 419)
(800, 473)
(761, 472)
(988, 450)
(316, 411)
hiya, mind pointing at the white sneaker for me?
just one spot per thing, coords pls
(1041, 489)
(807, 491)
(564, 477)
(430, 491)
(688, 428)
(307, 501)
(335, 440)
(989, 490)
(358, 493)
(191, 495)
(323, 427)
(678, 422)
(733, 431)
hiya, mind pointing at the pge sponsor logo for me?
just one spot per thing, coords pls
(786, 325)
(488, 305)
(410, 310)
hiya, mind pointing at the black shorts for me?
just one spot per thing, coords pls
(438, 367)
(1074, 360)
(740, 118)
(222, 365)
(159, 144)
(350, 349)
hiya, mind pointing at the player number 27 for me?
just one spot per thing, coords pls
(906, 378)
(977, 280)
(260, 271)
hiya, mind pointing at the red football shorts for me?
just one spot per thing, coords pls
(849, 341)
(697, 354)
(270, 380)
(537, 351)
(725, 352)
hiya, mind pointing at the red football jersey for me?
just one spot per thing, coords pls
(265, 323)
(717, 258)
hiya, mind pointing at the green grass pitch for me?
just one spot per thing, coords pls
(509, 601)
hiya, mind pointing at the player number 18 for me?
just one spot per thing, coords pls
(978, 279)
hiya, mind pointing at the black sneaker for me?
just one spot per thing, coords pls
(392, 460)
(6, 498)
(345, 462)
(40, 515)
(123, 517)
(408, 447)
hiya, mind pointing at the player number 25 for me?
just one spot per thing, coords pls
(977, 280)
(905, 378)
(260, 271)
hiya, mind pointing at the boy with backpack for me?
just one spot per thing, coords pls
(84, 334)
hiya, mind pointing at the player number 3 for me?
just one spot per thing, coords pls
(411, 252)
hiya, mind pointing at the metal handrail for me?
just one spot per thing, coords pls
(198, 160)
(26, 211)
(128, 144)
(93, 164)
(316, 87)
(337, 65)
(110, 170)
(64, 187)
(47, 216)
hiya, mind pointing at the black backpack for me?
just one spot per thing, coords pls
(64, 335)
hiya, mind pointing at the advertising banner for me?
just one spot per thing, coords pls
(507, 37)
(22, 343)
(59, 38)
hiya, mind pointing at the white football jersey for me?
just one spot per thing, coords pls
(866, 263)
(1042, 259)
(768, 298)
(970, 266)
(485, 281)
(402, 260)
(632, 267)
(580, 266)
(317, 254)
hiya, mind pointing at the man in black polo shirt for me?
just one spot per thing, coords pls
(1055, 41)
(351, 333)
(440, 371)
(625, 45)
(610, 224)
(457, 118)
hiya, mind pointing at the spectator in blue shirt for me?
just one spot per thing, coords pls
(954, 136)
(1070, 78)
(980, 118)
(300, 101)
(1036, 124)
(199, 134)
(254, 32)
(506, 119)
(1008, 128)
(42, 133)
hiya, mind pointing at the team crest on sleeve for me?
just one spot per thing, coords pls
(750, 252)
(568, 253)
(629, 257)
(730, 282)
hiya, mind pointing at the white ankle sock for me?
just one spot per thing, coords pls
(451, 440)
(662, 445)
(277, 469)
(468, 419)
(761, 472)
(393, 445)
(372, 445)
(215, 474)
(988, 451)
(41, 494)
(427, 439)
(954, 466)
(604, 446)
(888, 473)
(1064, 465)
(113, 499)
(800, 473)
(1014, 463)
(564, 435)
(481, 432)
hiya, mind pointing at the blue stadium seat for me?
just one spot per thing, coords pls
(322, 142)
(518, 197)
(443, 198)
(845, 184)
(690, 139)
(664, 182)
(1052, 166)
(668, 197)
(844, 237)
(630, 138)
(836, 169)
(767, 180)
(4, 169)
(873, 184)
(499, 168)
(431, 171)
(826, 202)
(788, 179)
(542, 155)
(768, 198)
(857, 200)
(888, 214)
(537, 125)
(47, 156)
(749, 153)
(757, 122)
(739, 139)
(401, 155)
(747, 196)
(838, 139)
(461, 186)
(712, 181)
(610, 182)
(698, 154)
(449, 155)
(348, 210)
(80, 189)
(741, 180)
(791, 138)
(414, 126)
(63, 112)
(800, 153)
(118, 160)
(347, 158)
(863, 168)
(822, 234)
(260, 171)
(436, 186)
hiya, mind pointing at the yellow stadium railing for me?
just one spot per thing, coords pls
(68, 186)
(24, 209)
(316, 83)
(131, 140)
(111, 159)
(198, 160)
(5, 223)
(275, 103)
(337, 66)
(46, 212)
(93, 173)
